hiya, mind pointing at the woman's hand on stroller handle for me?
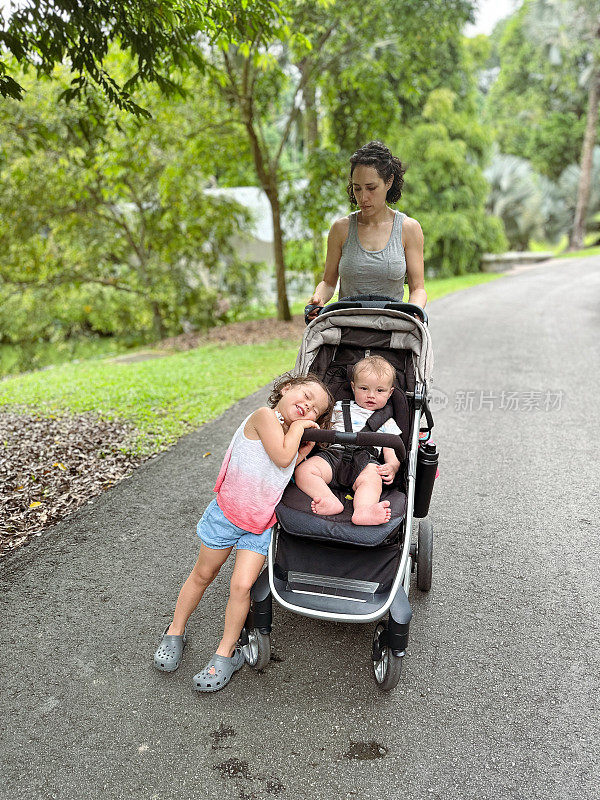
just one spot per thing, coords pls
(311, 311)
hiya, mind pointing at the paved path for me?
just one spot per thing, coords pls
(499, 698)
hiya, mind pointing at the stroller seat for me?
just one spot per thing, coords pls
(296, 517)
(293, 512)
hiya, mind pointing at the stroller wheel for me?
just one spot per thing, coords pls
(258, 650)
(424, 555)
(387, 667)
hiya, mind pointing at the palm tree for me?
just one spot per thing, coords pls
(569, 25)
(529, 205)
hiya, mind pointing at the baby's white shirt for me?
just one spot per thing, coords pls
(359, 417)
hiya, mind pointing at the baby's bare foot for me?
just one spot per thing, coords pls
(372, 515)
(327, 506)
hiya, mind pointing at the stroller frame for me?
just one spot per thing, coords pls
(390, 638)
(404, 570)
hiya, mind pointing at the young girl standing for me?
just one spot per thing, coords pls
(256, 469)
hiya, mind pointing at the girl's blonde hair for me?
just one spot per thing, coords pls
(324, 421)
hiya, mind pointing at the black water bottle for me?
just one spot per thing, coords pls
(427, 462)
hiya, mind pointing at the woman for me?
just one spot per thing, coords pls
(373, 249)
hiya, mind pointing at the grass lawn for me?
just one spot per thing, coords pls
(170, 396)
(163, 397)
(560, 248)
(588, 251)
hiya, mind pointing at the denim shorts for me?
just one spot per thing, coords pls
(218, 533)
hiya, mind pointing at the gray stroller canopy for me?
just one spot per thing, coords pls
(407, 333)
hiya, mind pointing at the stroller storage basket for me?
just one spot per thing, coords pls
(337, 560)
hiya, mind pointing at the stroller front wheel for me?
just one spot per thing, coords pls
(387, 667)
(258, 650)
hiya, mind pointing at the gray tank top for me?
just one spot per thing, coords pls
(373, 271)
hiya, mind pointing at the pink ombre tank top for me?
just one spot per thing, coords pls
(249, 484)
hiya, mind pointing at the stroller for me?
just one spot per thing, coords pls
(327, 567)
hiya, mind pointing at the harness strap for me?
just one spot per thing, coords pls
(377, 418)
(346, 414)
(350, 449)
(375, 421)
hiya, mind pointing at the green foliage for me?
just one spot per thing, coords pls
(164, 397)
(158, 36)
(527, 203)
(543, 108)
(104, 224)
(298, 254)
(555, 143)
(317, 201)
(532, 206)
(382, 66)
(567, 190)
(27, 356)
(537, 103)
(445, 188)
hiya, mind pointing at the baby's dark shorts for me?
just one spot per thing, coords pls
(346, 471)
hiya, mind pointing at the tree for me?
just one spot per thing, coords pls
(529, 204)
(567, 191)
(157, 35)
(104, 224)
(545, 100)
(272, 88)
(563, 27)
(537, 112)
(447, 188)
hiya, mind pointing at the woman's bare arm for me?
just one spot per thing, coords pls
(412, 236)
(335, 241)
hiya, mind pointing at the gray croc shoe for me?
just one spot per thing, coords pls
(168, 655)
(209, 681)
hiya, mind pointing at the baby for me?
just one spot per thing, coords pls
(372, 386)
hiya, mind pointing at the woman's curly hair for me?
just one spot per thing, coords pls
(377, 155)
(324, 421)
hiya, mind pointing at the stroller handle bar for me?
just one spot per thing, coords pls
(366, 301)
(360, 439)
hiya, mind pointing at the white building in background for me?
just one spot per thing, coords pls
(256, 245)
